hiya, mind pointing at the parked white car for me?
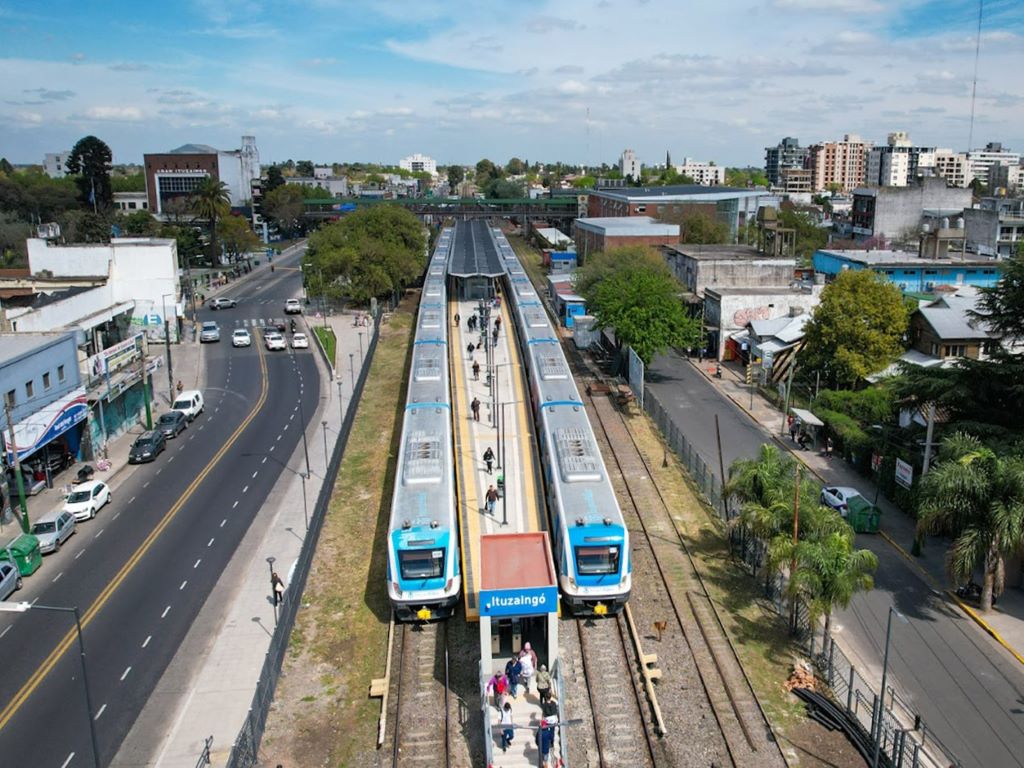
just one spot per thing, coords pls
(87, 499)
(10, 579)
(190, 402)
(299, 341)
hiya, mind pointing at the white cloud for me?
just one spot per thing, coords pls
(131, 114)
(829, 6)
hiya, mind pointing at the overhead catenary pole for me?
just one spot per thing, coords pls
(721, 466)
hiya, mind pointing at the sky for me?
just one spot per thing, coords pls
(574, 80)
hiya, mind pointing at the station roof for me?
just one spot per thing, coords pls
(515, 561)
(628, 226)
(474, 253)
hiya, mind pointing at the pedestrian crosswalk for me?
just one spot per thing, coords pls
(260, 322)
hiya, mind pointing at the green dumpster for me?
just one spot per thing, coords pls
(862, 515)
(24, 551)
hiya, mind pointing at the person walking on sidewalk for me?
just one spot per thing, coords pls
(506, 727)
(475, 408)
(512, 670)
(794, 427)
(489, 458)
(278, 586)
(828, 447)
(458, 319)
(545, 738)
(476, 370)
(491, 499)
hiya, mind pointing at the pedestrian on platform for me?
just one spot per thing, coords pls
(512, 670)
(475, 408)
(527, 668)
(488, 454)
(543, 683)
(507, 727)
(549, 708)
(458, 319)
(545, 738)
(494, 334)
(528, 649)
(803, 439)
(497, 323)
(471, 323)
(476, 371)
(491, 499)
(278, 586)
(499, 685)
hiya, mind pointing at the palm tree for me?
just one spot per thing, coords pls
(211, 200)
(977, 498)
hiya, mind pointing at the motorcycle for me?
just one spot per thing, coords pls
(972, 591)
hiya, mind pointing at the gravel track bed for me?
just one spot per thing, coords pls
(419, 729)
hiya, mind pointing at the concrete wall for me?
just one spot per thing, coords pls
(699, 274)
(52, 317)
(900, 209)
(60, 351)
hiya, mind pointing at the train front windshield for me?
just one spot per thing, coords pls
(421, 563)
(597, 561)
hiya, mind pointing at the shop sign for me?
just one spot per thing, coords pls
(48, 423)
(529, 601)
(904, 473)
(115, 357)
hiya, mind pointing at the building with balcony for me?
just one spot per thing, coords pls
(704, 174)
(898, 162)
(838, 164)
(418, 163)
(787, 154)
(992, 155)
(895, 212)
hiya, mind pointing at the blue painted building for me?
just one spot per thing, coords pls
(909, 271)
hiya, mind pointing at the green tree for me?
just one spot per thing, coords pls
(90, 161)
(78, 226)
(304, 168)
(5, 167)
(133, 182)
(633, 291)
(745, 177)
(486, 172)
(584, 182)
(700, 228)
(515, 167)
(139, 224)
(371, 252)
(856, 330)
(237, 237)
(211, 201)
(503, 189)
(285, 206)
(275, 179)
(456, 174)
(976, 497)
(190, 247)
(13, 234)
(808, 236)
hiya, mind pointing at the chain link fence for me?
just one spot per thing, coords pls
(245, 752)
(906, 741)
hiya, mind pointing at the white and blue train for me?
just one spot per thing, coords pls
(424, 579)
(589, 536)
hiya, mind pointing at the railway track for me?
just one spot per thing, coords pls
(422, 697)
(616, 705)
(712, 681)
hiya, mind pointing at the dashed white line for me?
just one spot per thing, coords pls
(271, 447)
(125, 674)
(181, 448)
(209, 543)
(254, 474)
(291, 417)
(244, 490)
(57, 577)
(236, 503)
(132, 499)
(197, 563)
(116, 515)
(191, 437)
(217, 409)
(264, 460)
(34, 601)
(6, 630)
(280, 436)
(183, 585)
(223, 522)
(166, 611)
(170, 460)
(160, 470)
(68, 761)
(100, 712)
(146, 484)
(80, 553)
(201, 427)
(286, 427)
(100, 533)
(146, 641)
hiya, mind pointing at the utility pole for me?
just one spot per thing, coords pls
(928, 439)
(170, 373)
(145, 386)
(18, 479)
(796, 539)
(789, 391)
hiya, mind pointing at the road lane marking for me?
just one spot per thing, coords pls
(146, 484)
(6, 630)
(80, 553)
(47, 665)
(160, 470)
(125, 674)
(101, 711)
(68, 761)
(57, 577)
(254, 474)
(280, 436)
(131, 499)
(209, 543)
(170, 460)
(35, 601)
(180, 449)
(234, 505)
(264, 460)
(197, 563)
(100, 533)
(222, 522)
(245, 490)
(183, 585)
(291, 417)
(191, 437)
(116, 515)
(286, 427)
(146, 641)
(272, 447)
(166, 611)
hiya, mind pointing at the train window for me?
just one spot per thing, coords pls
(421, 563)
(594, 561)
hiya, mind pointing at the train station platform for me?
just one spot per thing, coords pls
(505, 426)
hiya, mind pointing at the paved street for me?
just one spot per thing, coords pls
(968, 689)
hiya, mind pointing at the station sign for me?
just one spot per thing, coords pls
(528, 601)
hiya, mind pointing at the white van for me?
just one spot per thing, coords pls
(190, 402)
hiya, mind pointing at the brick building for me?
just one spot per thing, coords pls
(600, 234)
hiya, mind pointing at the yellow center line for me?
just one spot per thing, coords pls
(48, 664)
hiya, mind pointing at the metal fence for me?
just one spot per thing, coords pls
(244, 753)
(905, 739)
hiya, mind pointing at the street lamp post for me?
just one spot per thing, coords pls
(326, 458)
(273, 594)
(305, 446)
(23, 607)
(352, 371)
(341, 403)
(305, 508)
(360, 349)
(167, 339)
(880, 707)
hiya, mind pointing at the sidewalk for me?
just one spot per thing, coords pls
(207, 689)
(1006, 621)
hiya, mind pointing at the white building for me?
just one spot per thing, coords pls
(983, 160)
(55, 164)
(177, 173)
(418, 163)
(705, 174)
(333, 186)
(953, 167)
(131, 201)
(898, 162)
(629, 165)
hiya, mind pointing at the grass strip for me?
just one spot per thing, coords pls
(327, 341)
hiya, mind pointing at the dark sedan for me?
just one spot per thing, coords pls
(147, 447)
(172, 424)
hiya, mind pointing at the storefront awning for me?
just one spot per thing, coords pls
(48, 423)
(807, 417)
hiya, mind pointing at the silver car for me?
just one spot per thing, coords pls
(54, 529)
(10, 579)
(209, 332)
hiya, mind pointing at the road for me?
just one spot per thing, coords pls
(967, 689)
(142, 569)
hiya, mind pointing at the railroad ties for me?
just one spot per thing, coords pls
(421, 695)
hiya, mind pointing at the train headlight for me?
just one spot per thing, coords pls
(424, 614)
(600, 609)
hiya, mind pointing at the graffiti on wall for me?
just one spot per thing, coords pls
(745, 315)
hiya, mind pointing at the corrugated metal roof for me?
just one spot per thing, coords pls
(627, 226)
(474, 253)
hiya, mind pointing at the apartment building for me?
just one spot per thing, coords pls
(786, 154)
(705, 174)
(629, 165)
(993, 155)
(953, 167)
(898, 162)
(838, 163)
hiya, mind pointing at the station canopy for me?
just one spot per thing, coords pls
(474, 253)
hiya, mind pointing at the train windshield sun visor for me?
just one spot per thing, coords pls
(421, 563)
(597, 561)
